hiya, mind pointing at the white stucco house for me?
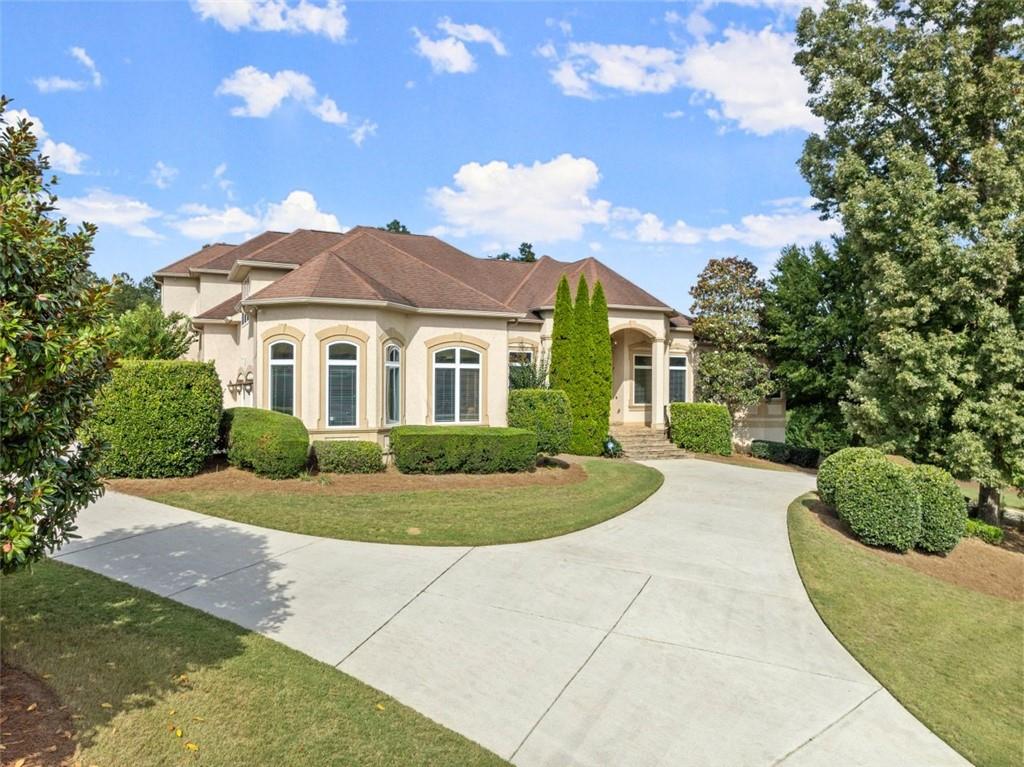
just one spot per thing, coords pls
(358, 332)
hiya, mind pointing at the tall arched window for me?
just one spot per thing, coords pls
(342, 384)
(456, 386)
(282, 377)
(392, 384)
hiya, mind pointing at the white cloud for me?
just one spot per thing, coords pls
(564, 25)
(360, 133)
(55, 83)
(752, 78)
(86, 61)
(63, 157)
(542, 202)
(299, 210)
(473, 33)
(262, 94)
(326, 19)
(675, 114)
(450, 54)
(223, 181)
(162, 175)
(105, 208)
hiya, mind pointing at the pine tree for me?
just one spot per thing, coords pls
(561, 338)
(581, 389)
(602, 356)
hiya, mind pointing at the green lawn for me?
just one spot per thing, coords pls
(132, 667)
(950, 655)
(453, 517)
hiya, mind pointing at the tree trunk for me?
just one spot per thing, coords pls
(988, 504)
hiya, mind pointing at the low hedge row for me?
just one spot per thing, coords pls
(158, 418)
(545, 412)
(355, 456)
(976, 528)
(270, 444)
(466, 449)
(780, 452)
(702, 427)
(899, 505)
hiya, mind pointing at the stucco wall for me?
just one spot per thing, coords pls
(220, 346)
(766, 421)
(215, 289)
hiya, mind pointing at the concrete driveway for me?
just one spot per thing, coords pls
(676, 634)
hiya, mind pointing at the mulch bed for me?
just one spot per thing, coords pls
(220, 477)
(994, 570)
(35, 729)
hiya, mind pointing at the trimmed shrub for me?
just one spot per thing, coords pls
(159, 418)
(814, 426)
(807, 457)
(838, 464)
(702, 427)
(975, 528)
(348, 456)
(270, 444)
(467, 449)
(943, 509)
(545, 412)
(770, 451)
(879, 501)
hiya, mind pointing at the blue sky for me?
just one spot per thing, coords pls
(652, 136)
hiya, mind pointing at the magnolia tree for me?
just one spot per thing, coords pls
(54, 356)
(922, 159)
(727, 309)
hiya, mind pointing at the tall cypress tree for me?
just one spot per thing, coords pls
(560, 369)
(601, 342)
(581, 390)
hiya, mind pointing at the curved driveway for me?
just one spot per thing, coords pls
(676, 634)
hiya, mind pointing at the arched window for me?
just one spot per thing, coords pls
(677, 379)
(392, 384)
(456, 386)
(282, 377)
(342, 384)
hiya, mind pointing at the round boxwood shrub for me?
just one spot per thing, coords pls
(545, 412)
(270, 444)
(465, 449)
(879, 502)
(702, 427)
(158, 418)
(348, 456)
(837, 464)
(943, 509)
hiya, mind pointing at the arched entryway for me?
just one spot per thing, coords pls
(635, 358)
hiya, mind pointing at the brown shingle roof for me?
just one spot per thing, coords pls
(223, 310)
(203, 256)
(415, 270)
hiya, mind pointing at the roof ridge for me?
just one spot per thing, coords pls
(526, 278)
(440, 271)
(367, 280)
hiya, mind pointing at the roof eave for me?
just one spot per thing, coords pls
(382, 304)
(241, 268)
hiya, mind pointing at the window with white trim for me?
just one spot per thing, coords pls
(342, 383)
(677, 379)
(642, 379)
(282, 377)
(456, 385)
(392, 384)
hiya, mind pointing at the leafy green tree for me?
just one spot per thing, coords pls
(396, 227)
(146, 333)
(560, 373)
(529, 376)
(602, 360)
(922, 158)
(126, 294)
(727, 307)
(54, 357)
(813, 325)
(526, 253)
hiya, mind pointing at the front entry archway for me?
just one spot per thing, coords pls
(634, 377)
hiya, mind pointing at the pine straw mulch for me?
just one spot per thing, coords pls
(994, 570)
(35, 729)
(218, 476)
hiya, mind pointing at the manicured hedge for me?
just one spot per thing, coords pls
(975, 528)
(943, 509)
(702, 427)
(468, 449)
(780, 452)
(270, 444)
(159, 418)
(837, 464)
(879, 501)
(348, 456)
(545, 412)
